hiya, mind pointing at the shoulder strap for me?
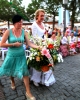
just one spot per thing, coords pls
(23, 32)
(9, 34)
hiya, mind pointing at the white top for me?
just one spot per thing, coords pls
(37, 31)
(72, 39)
(64, 40)
(50, 31)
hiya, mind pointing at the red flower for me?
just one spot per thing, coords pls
(50, 46)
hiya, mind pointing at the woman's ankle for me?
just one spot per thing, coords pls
(29, 94)
(12, 79)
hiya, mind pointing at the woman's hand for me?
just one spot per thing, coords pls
(40, 47)
(17, 44)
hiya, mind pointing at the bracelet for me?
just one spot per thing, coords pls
(13, 44)
(39, 47)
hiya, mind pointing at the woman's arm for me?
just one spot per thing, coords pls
(5, 38)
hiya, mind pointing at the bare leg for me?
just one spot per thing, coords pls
(12, 82)
(26, 82)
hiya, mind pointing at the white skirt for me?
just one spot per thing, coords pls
(48, 78)
(45, 78)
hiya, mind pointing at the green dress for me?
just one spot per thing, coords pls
(15, 63)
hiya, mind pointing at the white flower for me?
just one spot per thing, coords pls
(30, 58)
(44, 43)
(60, 59)
(55, 43)
(33, 57)
(32, 54)
(35, 53)
(50, 41)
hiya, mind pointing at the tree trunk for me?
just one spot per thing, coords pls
(72, 18)
(53, 20)
(73, 14)
(72, 24)
(8, 24)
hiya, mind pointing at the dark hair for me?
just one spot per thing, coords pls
(16, 18)
(78, 34)
(72, 32)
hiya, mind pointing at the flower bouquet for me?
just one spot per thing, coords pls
(40, 60)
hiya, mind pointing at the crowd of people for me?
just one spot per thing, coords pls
(68, 42)
(14, 65)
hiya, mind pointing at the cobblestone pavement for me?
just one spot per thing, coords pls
(67, 86)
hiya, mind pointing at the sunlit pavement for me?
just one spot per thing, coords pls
(67, 86)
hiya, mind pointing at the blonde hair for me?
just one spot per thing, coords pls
(37, 13)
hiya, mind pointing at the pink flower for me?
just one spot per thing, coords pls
(48, 55)
(46, 52)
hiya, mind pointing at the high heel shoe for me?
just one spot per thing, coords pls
(12, 87)
(30, 98)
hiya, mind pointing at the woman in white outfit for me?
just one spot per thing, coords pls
(38, 29)
(72, 43)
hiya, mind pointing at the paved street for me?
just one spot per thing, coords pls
(67, 86)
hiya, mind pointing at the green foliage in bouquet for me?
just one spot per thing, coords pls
(54, 56)
(38, 58)
(38, 64)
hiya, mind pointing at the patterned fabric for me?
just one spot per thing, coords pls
(15, 62)
(78, 42)
(78, 45)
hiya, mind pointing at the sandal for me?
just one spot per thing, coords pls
(12, 87)
(30, 98)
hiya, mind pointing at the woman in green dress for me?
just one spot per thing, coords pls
(15, 64)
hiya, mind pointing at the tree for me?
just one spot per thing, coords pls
(9, 9)
(32, 7)
(73, 6)
(5, 10)
(19, 9)
(50, 6)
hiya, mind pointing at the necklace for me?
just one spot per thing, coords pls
(18, 37)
